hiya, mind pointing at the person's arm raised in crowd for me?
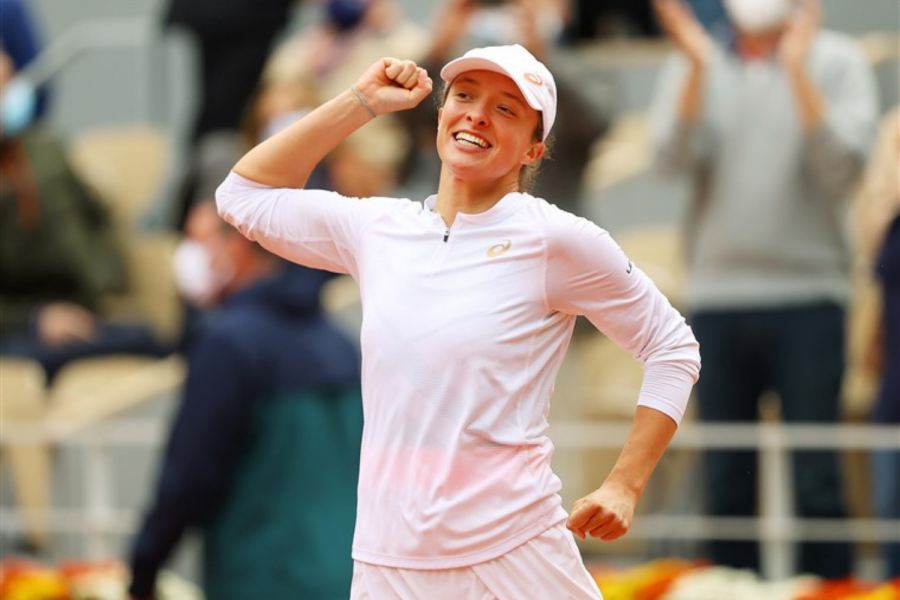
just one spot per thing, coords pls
(878, 202)
(451, 22)
(287, 159)
(838, 122)
(793, 52)
(688, 35)
(680, 139)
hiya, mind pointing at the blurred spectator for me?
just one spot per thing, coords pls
(878, 228)
(350, 35)
(19, 40)
(277, 104)
(595, 19)
(263, 454)
(233, 39)
(332, 53)
(773, 135)
(460, 25)
(270, 109)
(611, 19)
(59, 257)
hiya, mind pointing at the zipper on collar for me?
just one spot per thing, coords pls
(446, 235)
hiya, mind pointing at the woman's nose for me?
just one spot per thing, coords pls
(477, 115)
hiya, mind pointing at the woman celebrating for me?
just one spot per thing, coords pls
(469, 301)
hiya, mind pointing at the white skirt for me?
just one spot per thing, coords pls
(547, 567)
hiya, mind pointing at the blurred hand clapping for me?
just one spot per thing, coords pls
(683, 28)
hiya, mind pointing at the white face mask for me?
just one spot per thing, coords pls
(195, 277)
(18, 106)
(758, 16)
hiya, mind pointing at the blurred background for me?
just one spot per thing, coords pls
(121, 117)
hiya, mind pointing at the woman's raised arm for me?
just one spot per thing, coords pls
(286, 160)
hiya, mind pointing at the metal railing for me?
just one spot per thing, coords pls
(776, 527)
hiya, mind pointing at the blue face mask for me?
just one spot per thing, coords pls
(346, 14)
(17, 107)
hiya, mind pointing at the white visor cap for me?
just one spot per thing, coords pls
(529, 74)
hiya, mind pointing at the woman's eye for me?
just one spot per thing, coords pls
(462, 95)
(506, 109)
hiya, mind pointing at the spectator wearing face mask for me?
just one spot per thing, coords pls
(59, 256)
(273, 107)
(20, 44)
(262, 457)
(773, 133)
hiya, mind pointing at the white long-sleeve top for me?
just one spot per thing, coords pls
(463, 333)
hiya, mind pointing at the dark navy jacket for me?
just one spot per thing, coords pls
(263, 456)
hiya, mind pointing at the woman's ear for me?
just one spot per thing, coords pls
(534, 153)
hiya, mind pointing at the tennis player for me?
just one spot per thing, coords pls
(469, 300)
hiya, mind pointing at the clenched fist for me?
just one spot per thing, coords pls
(392, 85)
(606, 513)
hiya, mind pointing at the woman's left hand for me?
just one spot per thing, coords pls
(606, 513)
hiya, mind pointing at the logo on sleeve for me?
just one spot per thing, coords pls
(498, 249)
(630, 267)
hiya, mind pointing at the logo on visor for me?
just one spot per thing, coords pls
(532, 78)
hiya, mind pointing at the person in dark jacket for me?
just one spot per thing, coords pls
(263, 455)
(233, 39)
(59, 255)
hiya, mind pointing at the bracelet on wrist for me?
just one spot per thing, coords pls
(363, 100)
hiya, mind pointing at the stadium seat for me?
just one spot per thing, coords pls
(23, 402)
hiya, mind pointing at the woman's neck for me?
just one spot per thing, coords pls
(458, 196)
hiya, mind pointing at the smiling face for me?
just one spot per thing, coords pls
(486, 130)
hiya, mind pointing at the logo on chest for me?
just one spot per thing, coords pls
(498, 249)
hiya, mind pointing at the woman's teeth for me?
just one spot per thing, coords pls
(471, 139)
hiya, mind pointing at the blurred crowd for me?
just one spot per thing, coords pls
(771, 119)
